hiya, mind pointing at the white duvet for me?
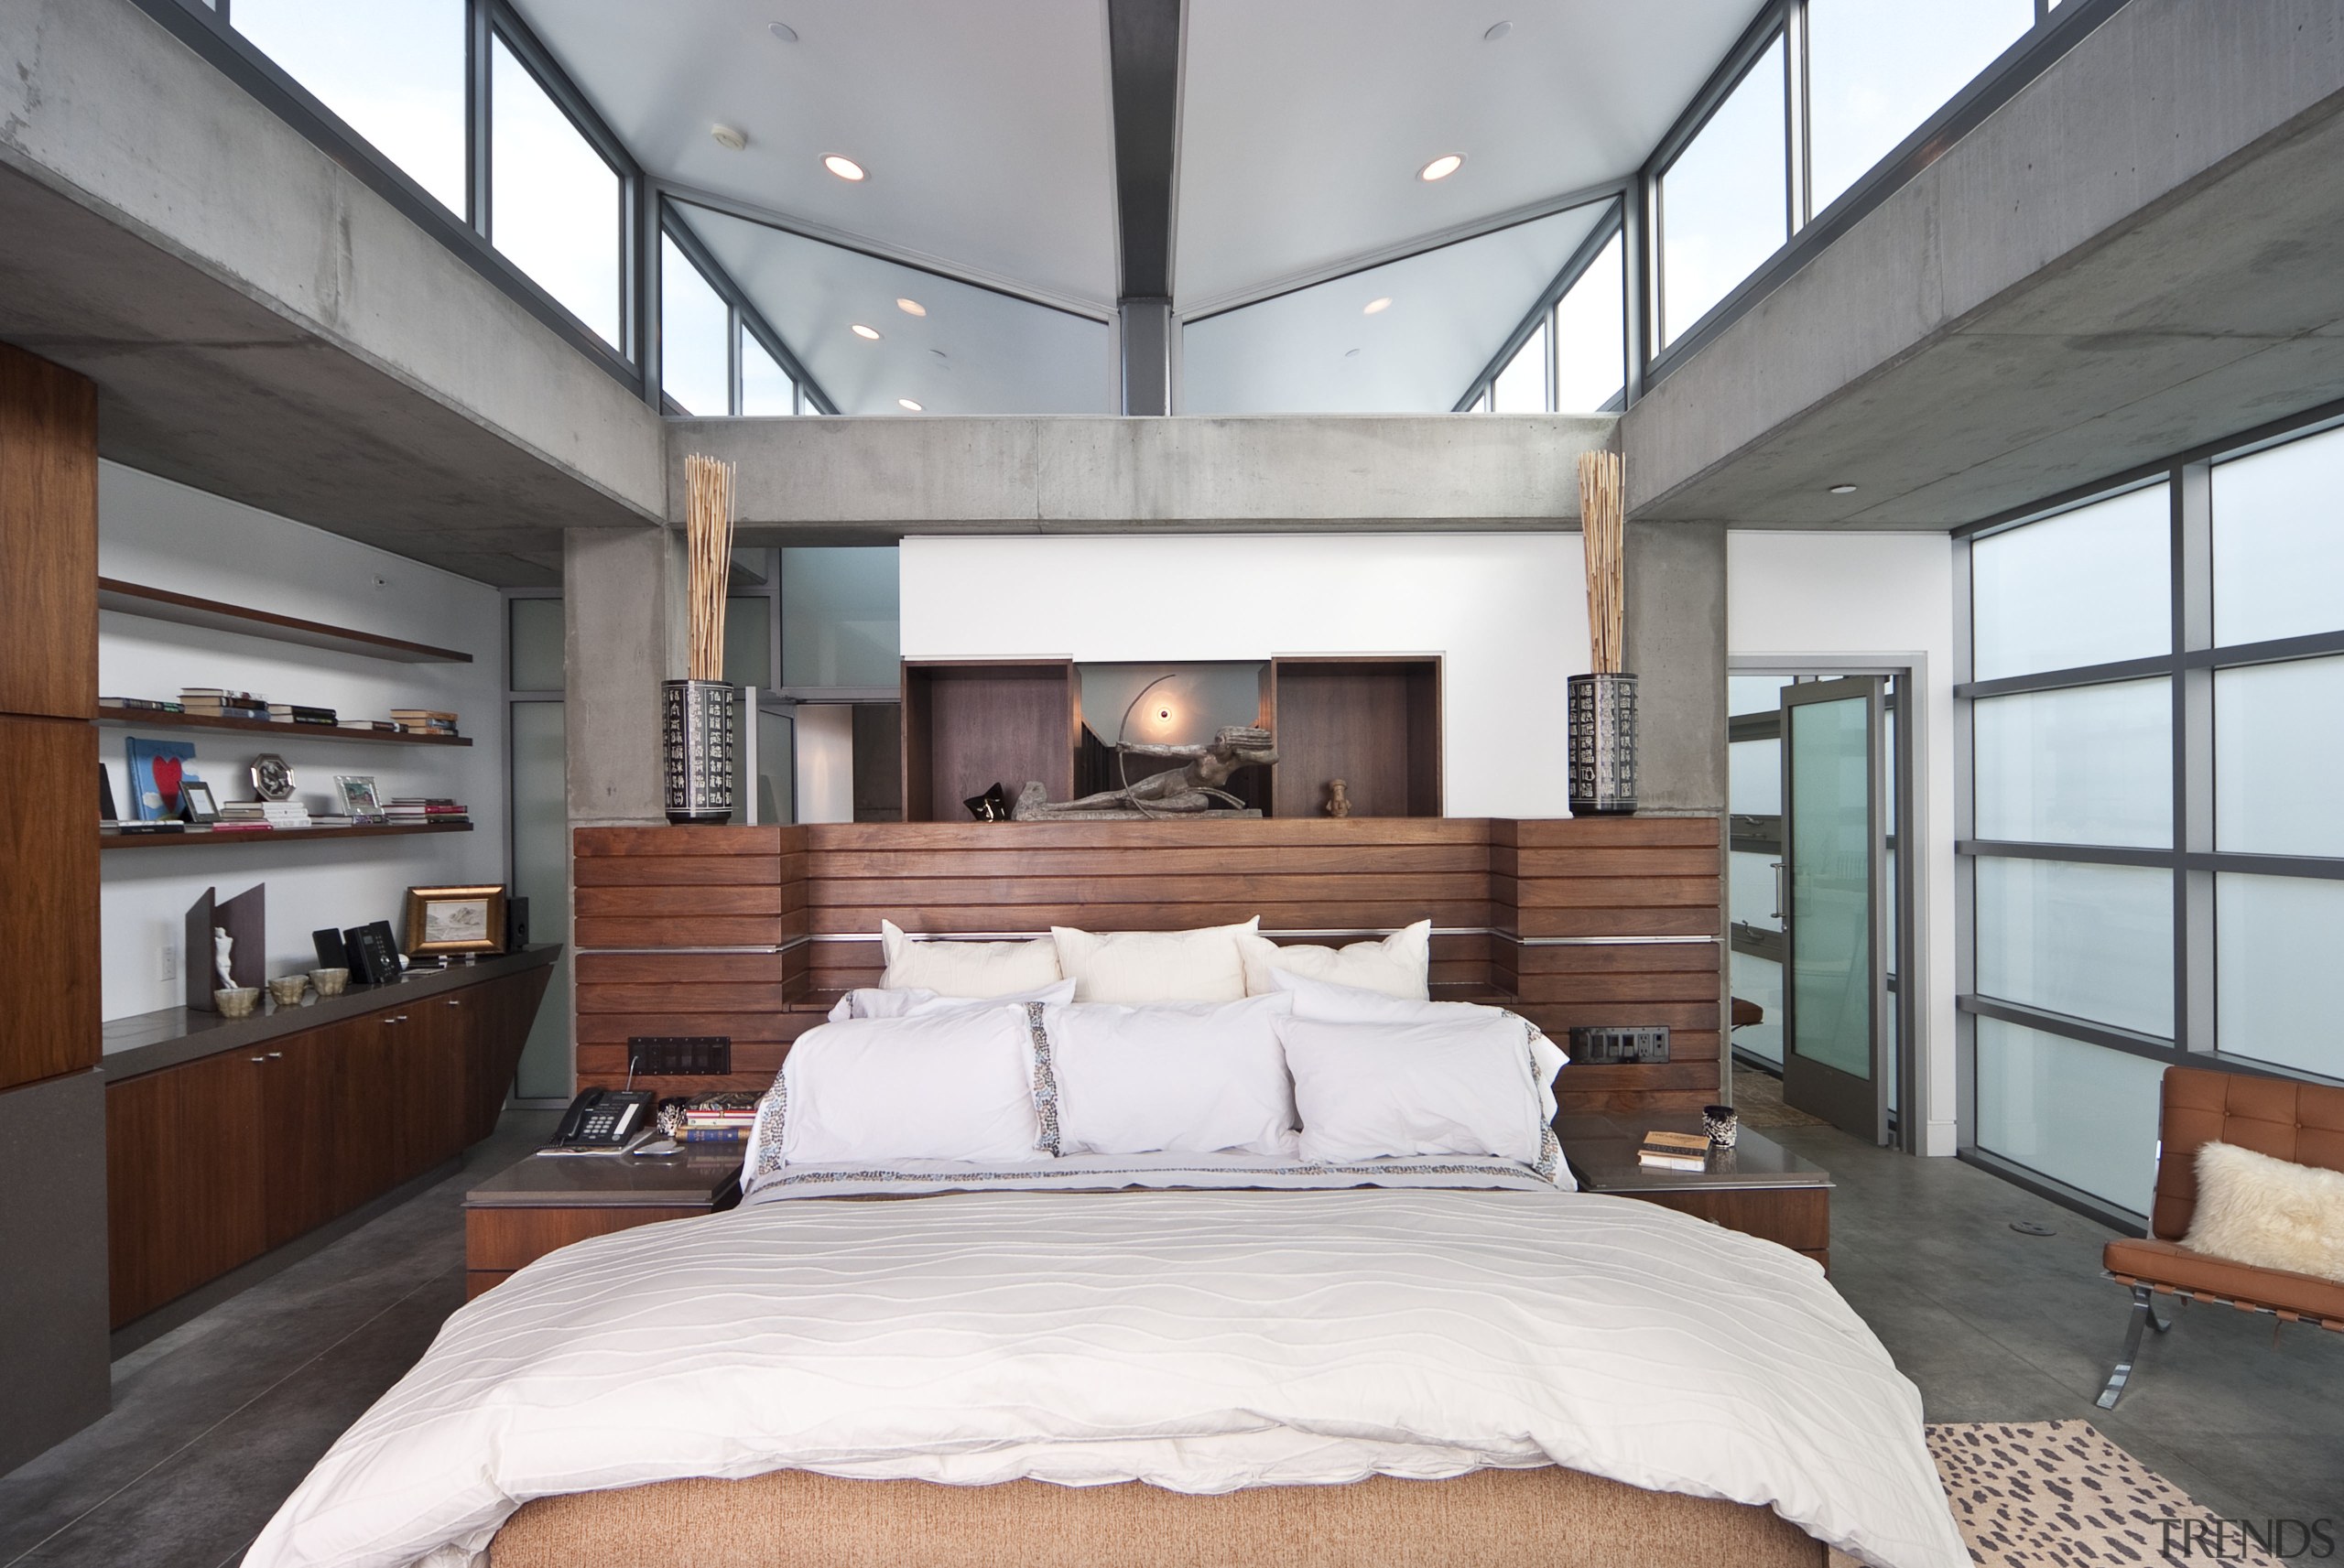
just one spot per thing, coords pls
(1199, 1340)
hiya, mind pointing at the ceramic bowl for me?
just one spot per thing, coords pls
(329, 982)
(242, 1003)
(287, 989)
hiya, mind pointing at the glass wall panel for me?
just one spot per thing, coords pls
(1754, 778)
(1750, 889)
(1760, 980)
(1754, 694)
(748, 640)
(394, 70)
(765, 388)
(1828, 880)
(1521, 387)
(2279, 541)
(1876, 68)
(2279, 759)
(537, 648)
(839, 617)
(2090, 765)
(1591, 335)
(554, 205)
(2275, 945)
(2084, 587)
(2092, 942)
(2080, 1114)
(695, 366)
(540, 874)
(1725, 203)
(776, 767)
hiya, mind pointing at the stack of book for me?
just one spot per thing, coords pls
(259, 815)
(139, 705)
(1675, 1152)
(213, 702)
(713, 1118)
(424, 720)
(434, 810)
(297, 713)
(379, 724)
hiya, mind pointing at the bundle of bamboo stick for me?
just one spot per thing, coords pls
(1603, 525)
(709, 537)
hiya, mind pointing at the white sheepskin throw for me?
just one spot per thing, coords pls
(2271, 1213)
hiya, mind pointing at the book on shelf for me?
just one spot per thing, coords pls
(378, 724)
(423, 713)
(140, 705)
(222, 710)
(1673, 1151)
(301, 713)
(693, 1132)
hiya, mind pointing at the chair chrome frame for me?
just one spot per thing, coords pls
(2145, 1314)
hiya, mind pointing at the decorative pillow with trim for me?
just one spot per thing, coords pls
(2273, 1213)
(1399, 965)
(1137, 968)
(948, 967)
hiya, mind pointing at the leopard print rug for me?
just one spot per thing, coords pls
(2056, 1494)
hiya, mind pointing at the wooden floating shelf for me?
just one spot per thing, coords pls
(146, 719)
(160, 604)
(192, 840)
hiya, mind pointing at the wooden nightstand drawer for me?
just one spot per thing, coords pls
(509, 1238)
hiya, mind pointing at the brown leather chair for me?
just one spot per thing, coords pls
(2278, 1116)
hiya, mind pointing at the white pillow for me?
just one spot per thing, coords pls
(1192, 1079)
(1136, 967)
(955, 1085)
(1366, 1091)
(1400, 965)
(965, 968)
(873, 1001)
(2275, 1213)
(1348, 1004)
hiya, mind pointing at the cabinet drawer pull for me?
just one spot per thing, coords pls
(260, 1058)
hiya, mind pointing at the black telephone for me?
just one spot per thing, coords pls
(605, 1118)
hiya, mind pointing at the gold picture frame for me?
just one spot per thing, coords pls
(445, 920)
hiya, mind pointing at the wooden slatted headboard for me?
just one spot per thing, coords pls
(752, 932)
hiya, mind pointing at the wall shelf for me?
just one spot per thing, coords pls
(194, 839)
(160, 604)
(149, 719)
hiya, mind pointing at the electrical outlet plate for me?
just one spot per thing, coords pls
(166, 962)
(689, 1056)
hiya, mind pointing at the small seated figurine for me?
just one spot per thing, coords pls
(1176, 792)
(1339, 800)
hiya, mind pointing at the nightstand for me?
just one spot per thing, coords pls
(518, 1216)
(1757, 1186)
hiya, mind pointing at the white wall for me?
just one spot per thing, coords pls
(1507, 612)
(1888, 596)
(162, 534)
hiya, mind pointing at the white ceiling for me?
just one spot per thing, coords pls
(1315, 351)
(988, 133)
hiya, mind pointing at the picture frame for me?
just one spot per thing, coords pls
(359, 800)
(197, 805)
(156, 768)
(443, 921)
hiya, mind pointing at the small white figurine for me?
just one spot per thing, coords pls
(222, 944)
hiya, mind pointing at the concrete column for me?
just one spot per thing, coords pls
(1676, 648)
(623, 634)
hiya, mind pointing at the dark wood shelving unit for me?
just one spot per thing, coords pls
(148, 719)
(161, 604)
(273, 836)
(1374, 722)
(969, 724)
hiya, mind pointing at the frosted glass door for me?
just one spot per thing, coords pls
(1833, 830)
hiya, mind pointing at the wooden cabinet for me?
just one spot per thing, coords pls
(184, 1183)
(299, 1078)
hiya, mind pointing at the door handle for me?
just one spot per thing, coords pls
(1778, 891)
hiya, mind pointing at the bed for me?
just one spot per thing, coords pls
(1042, 1354)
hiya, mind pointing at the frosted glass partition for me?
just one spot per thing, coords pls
(2080, 1114)
(537, 647)
(1760, 980)
(555, 208)
(1875, 70)
(2279, 759)
(2089, 764)
(2092, 942)
(841, 617)
(1591, 335)
(2279, 541)
(1725, 203)
(1521, 387)
(541, 875)
(1750, 890)
(2275, 946)
(394, 71)
(776, 767)
(695, 355)
(748, 641)
(1754, 778)
(1828, 873)
(2084, 587)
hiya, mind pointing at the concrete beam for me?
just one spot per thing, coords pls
(844, 481)
(264, 326)
(2137, 254)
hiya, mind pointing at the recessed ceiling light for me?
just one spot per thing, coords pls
(1351, 353)
(911, 307)
(940, 353)
(844, 168)
(1377, 306)
(1844, 489)
(727, 137)
(783, 31)
(859, 330)
(1441, 168)
(907, 405)
(1496, 32)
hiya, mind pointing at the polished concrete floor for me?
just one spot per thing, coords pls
(215, 1423)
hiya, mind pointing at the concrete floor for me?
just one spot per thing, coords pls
(216, 1421)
